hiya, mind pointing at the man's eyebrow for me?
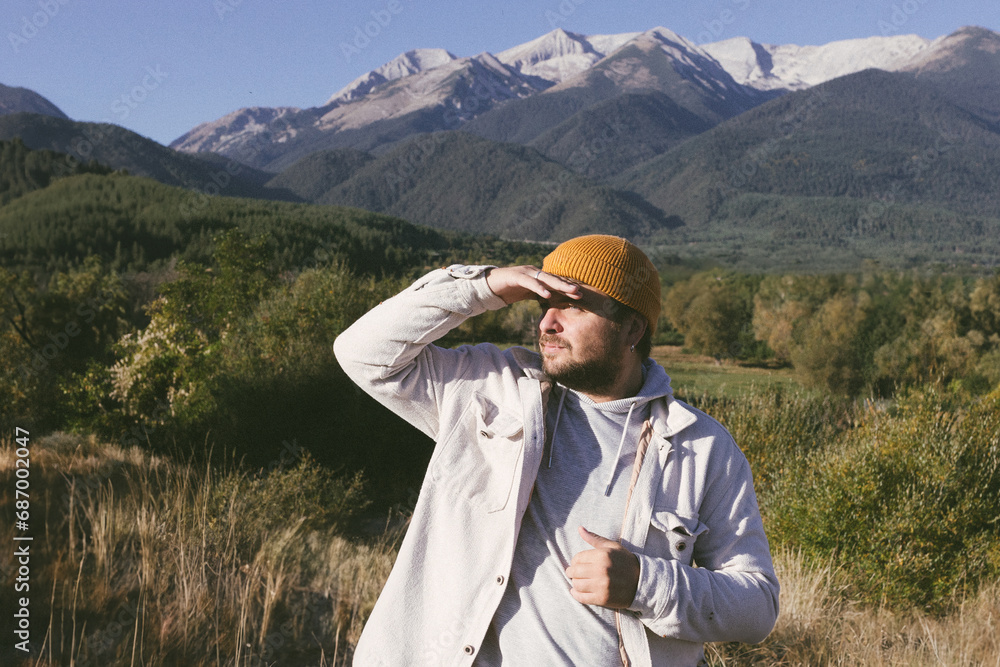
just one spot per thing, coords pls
(556, 298)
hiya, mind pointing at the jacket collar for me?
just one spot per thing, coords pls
(530, 363)
(669, 417)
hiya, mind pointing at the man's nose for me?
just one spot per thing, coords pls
(550, 321)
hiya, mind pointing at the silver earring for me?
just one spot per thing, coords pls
(633, 347)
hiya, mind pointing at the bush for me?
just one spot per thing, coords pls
(779, 431)
(247, 365)
(909, 502)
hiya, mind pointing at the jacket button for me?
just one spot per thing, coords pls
(469, 649)
(681, 546)
(500, 579)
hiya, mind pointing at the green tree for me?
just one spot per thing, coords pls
(783, 305)
(984, 304)
(52, 330)
(826, 354)
(938, 339)
(164, 370)
(714, 312)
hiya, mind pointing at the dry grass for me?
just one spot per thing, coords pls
(139, 561)
(136, 564)
(819, 626)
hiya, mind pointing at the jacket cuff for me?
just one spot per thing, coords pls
(656, 585)
(476, 274)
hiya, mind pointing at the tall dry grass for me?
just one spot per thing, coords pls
(818, 625)
(144, 561)
(139, 560)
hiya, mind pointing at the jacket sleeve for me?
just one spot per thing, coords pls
(388, 351)
(732, 592)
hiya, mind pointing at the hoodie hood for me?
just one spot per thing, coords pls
(656, 384)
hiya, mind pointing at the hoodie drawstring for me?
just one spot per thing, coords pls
(618, 455)
(555, 427)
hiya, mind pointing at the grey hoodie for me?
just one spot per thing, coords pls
(583, 481)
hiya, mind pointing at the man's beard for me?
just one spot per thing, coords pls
(591, 375)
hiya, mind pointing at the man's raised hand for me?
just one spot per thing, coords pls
(517, 283)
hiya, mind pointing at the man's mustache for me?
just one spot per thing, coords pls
(548, 339)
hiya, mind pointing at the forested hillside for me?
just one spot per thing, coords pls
(847, 138)
(119, 148)
(461, 182)
(23, 170)
(133, 223)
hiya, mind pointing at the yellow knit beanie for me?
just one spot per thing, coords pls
(612, 265)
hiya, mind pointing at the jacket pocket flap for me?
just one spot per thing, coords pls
(670, 522)
(503, 425)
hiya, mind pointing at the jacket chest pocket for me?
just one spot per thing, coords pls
(478, 458)
(673, 535)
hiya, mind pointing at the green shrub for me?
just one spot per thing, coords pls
(909, 502)
(246, 365)
(778, 431)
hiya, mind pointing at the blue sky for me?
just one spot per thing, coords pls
(159, 67)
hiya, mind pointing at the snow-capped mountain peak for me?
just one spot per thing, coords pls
(668, 36)
(560, 55)
(405, 64)
(793, 67)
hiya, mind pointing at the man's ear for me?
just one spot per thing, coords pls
(635, 327)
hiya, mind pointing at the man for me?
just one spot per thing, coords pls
(573, 512)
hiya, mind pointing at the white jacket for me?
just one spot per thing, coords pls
(692, 498)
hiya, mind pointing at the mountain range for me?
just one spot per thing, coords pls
(551, 78)
(647, 135)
